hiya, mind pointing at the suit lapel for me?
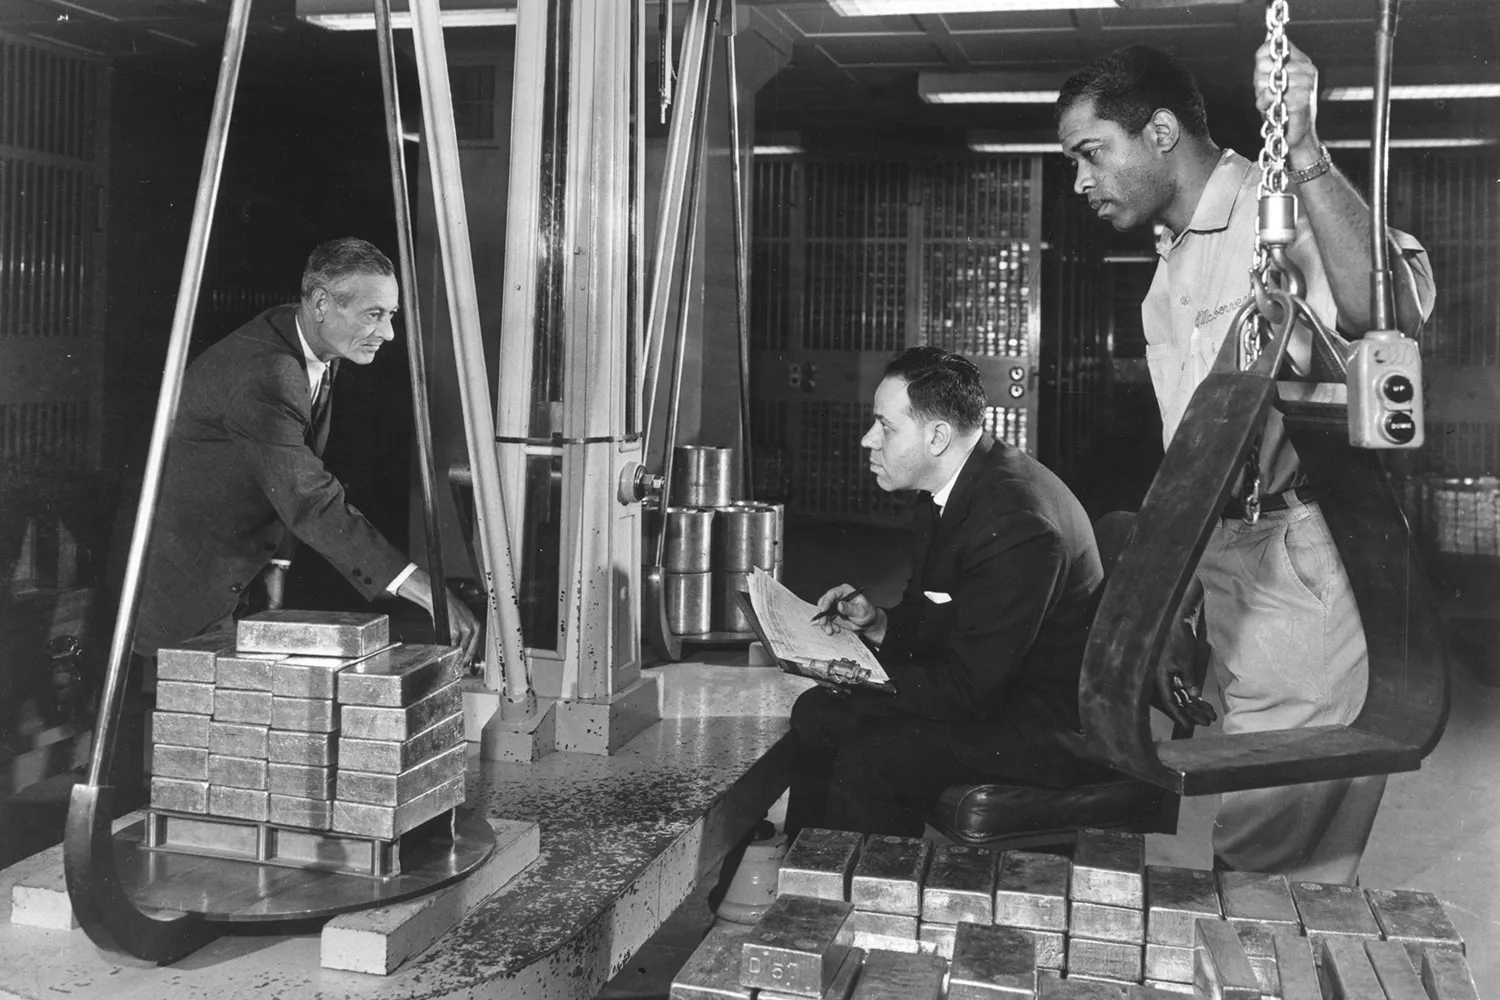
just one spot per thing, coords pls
(945, 527)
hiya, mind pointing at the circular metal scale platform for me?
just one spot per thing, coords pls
(237, 891)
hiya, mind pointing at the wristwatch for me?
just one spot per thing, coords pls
(1314, 170)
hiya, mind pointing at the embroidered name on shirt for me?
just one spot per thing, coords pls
(1207, 316)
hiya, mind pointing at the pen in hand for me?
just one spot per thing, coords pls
(832, 611)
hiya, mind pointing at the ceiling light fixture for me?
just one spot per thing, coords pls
(356, 15)
(776, 150)
(1418, 142)
(1417, 92)
(1000, 141)
(873, 8)
(989, 88)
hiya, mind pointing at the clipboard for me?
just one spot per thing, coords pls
(800, 668)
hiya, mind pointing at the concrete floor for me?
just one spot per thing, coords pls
(1438, 828)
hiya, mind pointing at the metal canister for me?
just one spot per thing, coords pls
(746, 537)
(729, 615)
(689, 602)
(702, 476)
(689, 540)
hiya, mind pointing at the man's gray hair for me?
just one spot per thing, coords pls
(342, 258)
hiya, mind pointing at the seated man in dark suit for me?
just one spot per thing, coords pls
(984, 648)
(245, 479)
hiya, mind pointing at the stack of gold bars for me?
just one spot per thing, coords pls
(248, 726)
(881, 918)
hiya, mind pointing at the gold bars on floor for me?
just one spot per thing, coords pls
(1413, 918)
(1169, 962)
(1031, 890)
(393, 757)
(888, 876)
(1221, 971)
(180, 729)
(314, 633)
(301, 781)
(1394, 970)
(179, 762)
(389, 822)
(369, 722)
(239, 803)
(245, 671)
(287, 747)
(841, 988)
(1295, 967)
(797, 946)
(1446, 975)
(991, 963)
(1112, 960)
(1346, 971)
(308, 676)
(818, 864)
(893, 975)
(960, 885)
(1107, 923)
(185, 696)
(1175, 899)
(1258, 940)
(399, 676)
(396, 789)
(891, 931)
(712, 972)
(1259, 897)
(1109, 868)
(303, 715)
(1327, 909)
(237, 772)
(253, 707)
(179, 794)
(293, 810)
(237, 739)
(193, 660)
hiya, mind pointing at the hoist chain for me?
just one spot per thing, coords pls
(1273, 129)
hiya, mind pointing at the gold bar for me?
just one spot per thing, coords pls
(1446, 975)
(304, 715)
(712, 972)
(936, 939)
(1175, 899)
(185, 697)
(819, 864)
(1256, 896)
(1346, 970)
(180, 729)
(1169, 962)
(301, 781)
(1327, 909)
(238, 803)
(991, 962)
(1109, 867)
(797, 946)
(1049, 986)
(190, 763)
(960, 885)
(1163, 988)
(1031, 890)
(237, 739)
(1258, 940)
(236, 772)
(1051, 949)
(392, 757)
(179, 794)
(841, 987)
(245, 671)
(1393, 969)
(314, 633)
(891, 931)
(1295, 968)
(192, 660)
(308, 814)
(308, 676)
(289, 747)
(1111, 960)
(396, 789)
(1107, 923)
(399, 676)
(1220, 969)
(367, 722)
(1414, 918)
(253, 707)
(390, 822)
(891, 975)
(888, 876)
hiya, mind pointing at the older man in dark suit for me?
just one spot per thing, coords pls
(984, 648)
(245, 479)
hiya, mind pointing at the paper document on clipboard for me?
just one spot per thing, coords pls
(783, 621)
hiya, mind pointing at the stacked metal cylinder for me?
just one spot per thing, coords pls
(886, 917)
(713, 543)
(247, 727)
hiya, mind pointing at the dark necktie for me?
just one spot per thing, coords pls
(319, 399)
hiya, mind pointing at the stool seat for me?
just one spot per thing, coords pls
(984, 814)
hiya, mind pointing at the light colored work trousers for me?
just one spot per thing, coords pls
(1289, 649)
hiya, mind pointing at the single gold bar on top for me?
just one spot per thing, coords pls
(1031, 891)
(399, 676)
(1175, 899)
(313, 633)
(960, 885)
(1109, 867)
(819, 864)
(893, 975)
(888, 876)
(992, 963)
(797, 945)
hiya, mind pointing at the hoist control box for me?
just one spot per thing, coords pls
(1385, 392)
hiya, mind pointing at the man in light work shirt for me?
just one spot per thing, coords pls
(1283, 625)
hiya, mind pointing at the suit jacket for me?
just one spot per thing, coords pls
(243, 466)
(999, 661)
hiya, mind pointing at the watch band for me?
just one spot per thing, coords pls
(1314, 170)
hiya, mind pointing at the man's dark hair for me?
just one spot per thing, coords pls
(336, 260)
(1130, 84)
(941, 386)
